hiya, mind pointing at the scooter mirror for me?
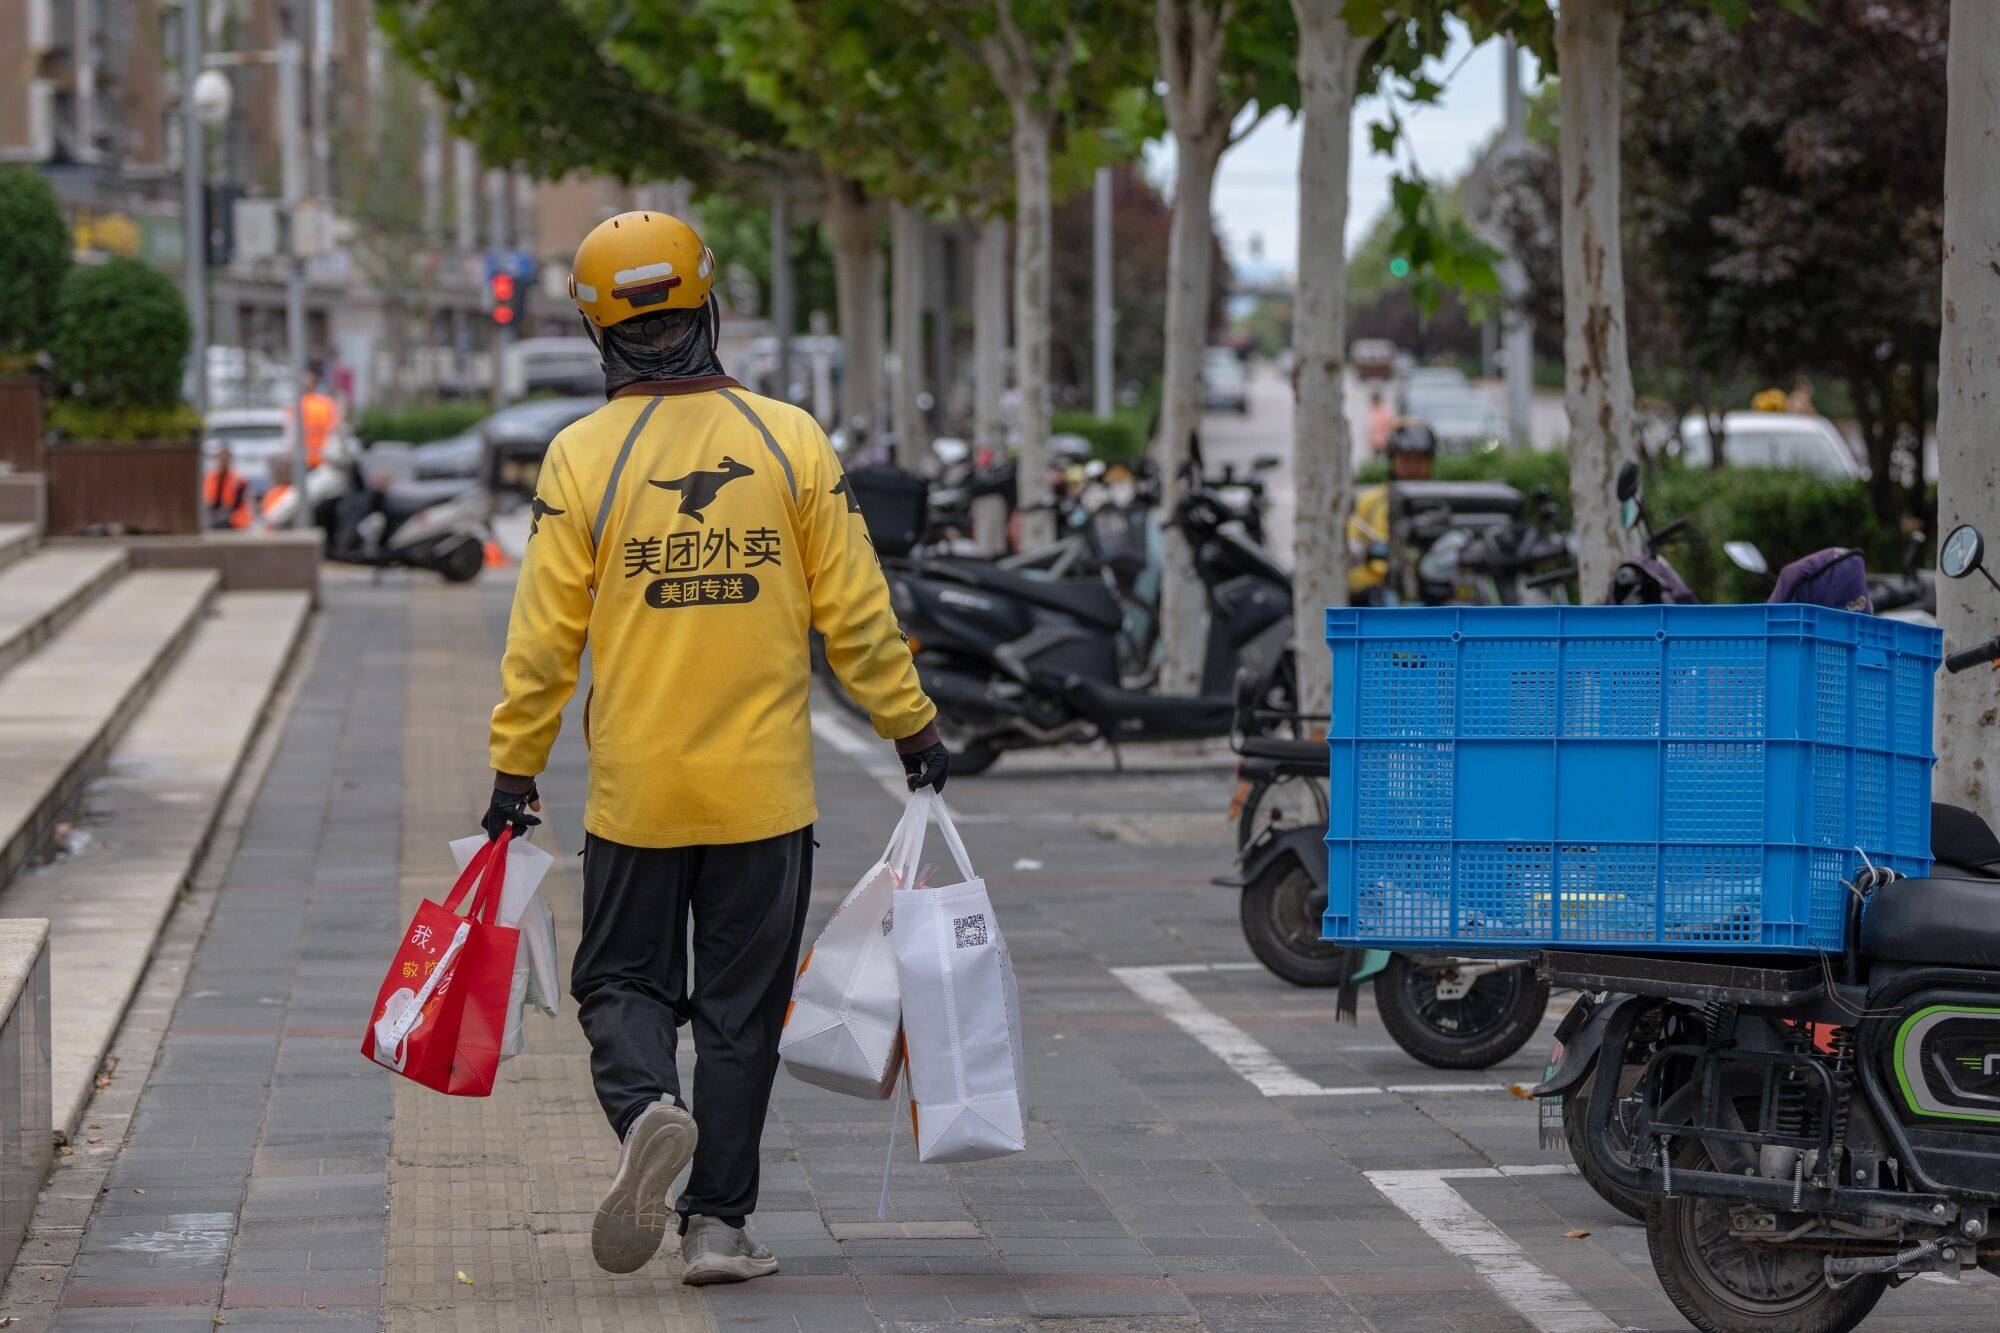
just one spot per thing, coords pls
(1745, 555)
(1628, 483)
(1265, 462)
(1962, 552)
(1628, 513)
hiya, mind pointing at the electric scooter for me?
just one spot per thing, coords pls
(1799, 1138)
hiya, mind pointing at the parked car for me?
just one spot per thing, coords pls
(1373, 358)
(1426, 381)
(1225, 387)
(253, 436)
(569, 365)
(513, 440)
(1773, 439)
(1464, 420)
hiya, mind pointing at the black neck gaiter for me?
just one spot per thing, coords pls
(672, 345)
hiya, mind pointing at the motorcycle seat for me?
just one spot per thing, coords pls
(1950, 917)
(1953, 922)
(1086, 598)
(1289, 752)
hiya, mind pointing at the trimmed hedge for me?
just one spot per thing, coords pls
(34, 259)
(1787, 513)
(1117, 439)
(121, 336)
(421, 423)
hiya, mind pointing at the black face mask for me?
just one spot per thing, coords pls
(672, 345)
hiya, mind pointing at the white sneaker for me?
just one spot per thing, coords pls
(632, 1220)
(714, 1251)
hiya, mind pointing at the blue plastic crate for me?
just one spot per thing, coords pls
(1655, 778)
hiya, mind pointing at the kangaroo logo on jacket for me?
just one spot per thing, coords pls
(542, 509)
(841, 488)
(699, 489)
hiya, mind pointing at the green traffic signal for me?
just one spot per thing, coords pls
(1399, 267)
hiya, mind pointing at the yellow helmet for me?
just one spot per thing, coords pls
(639, 264)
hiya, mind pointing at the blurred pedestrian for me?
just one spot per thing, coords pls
(269, 510)
(319, 417)
(1800, 399)
(1381, 421)
(225, 496)
(692, 533)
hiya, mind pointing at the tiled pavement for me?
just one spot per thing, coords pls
(287, 1182)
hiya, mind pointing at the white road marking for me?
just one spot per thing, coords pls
(1249, 1058)
(876, 757)
(1537, 1295)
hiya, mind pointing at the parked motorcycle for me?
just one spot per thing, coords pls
(1450, 1013)
(441, 526)
(1017, 661)
(1800, 1138)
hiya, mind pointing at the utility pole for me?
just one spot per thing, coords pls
(194, 219)
(291, 110)
(783, 303)
(1100, 237)
(1517, 347)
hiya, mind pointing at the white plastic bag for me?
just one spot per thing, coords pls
(843, 1028)
(536, 979)
(961, 1015)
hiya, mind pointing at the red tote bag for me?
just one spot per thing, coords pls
(442, 1010)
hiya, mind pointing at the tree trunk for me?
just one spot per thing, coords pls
(1322, 455)
(1033, 230)
(1597, 374)
(989, 374)
(851, 224)
(784, 295)
(1968, 740)
(906, 326)
(1190, 275)
(989, 337)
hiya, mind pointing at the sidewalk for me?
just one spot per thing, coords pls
(270, 1178)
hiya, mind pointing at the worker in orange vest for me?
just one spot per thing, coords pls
(319, 417)
(280, 490)
(225, 496)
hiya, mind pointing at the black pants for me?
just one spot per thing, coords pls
(631, 986)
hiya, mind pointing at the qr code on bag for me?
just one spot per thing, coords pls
(969, 931)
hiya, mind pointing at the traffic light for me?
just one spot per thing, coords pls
(1399, 267)
(508, 295)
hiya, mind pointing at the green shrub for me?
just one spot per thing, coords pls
(34, 257)
(420, 423)
(1116, 439)
(121, 336)
(1788, 514)
(72, 420)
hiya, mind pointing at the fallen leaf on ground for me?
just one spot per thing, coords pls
(95, 1138)
(137, 1190)
(1519, 1091)
(1578, 1234)
(65, 1151)
(463, 1278)
(48, 1277)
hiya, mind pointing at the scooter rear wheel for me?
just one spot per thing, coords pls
(1491, 1021)
(1722, 1285)
(1281, 913)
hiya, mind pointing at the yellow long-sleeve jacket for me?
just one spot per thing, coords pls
(692, 539)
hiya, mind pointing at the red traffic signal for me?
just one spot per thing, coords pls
(506, 294)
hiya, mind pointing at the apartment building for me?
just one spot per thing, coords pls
(96, 108)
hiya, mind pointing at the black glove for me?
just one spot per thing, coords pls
(509, 810)
(926, 767)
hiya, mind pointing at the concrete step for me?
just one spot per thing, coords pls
(150, 818)
(45, 591)
(63, 708)
(18, 541)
